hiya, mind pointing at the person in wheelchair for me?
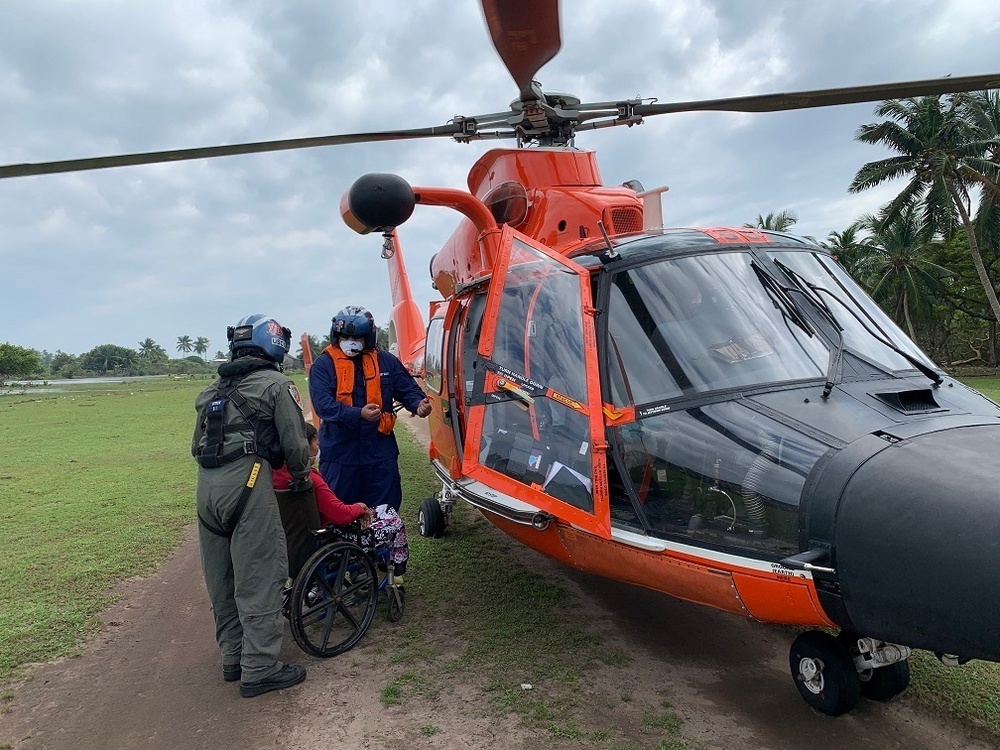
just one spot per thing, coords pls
(386, 524)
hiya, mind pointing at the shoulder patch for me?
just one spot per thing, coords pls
(295, 395)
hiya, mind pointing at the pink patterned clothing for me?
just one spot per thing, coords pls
(386, 523)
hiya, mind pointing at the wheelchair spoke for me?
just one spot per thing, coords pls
(334, 599)
(325, 607)
(348, 615)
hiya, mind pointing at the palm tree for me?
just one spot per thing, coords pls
(944, 156)
(201, 346)
(184, 344)
(151, 351)
(847, 247)
(982, 109)
(781, 221)
(898, 269)
(315, 348)
(220, 354)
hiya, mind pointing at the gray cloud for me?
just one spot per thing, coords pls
(188, 248)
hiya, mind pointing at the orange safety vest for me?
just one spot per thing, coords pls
(344, 367)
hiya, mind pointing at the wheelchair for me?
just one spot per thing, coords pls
(338, 576)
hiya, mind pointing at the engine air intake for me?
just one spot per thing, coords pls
(623, 219)
(910, 402)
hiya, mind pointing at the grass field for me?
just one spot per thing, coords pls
(97, 485)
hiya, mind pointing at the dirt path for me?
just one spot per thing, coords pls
(152, 680)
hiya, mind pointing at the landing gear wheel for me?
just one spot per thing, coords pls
(333, 599)
(397, 603)
(430, 519)
(824, 673)
(882, 684)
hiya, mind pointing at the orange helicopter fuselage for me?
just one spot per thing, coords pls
(563, 206)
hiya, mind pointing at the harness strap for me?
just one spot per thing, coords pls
(241, 505)
(216, 430)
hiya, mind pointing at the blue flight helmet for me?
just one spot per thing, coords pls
(356, 322)
(260, 335)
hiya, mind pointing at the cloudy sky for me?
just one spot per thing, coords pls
(116, 256)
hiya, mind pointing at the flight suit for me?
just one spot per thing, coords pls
(246, 572)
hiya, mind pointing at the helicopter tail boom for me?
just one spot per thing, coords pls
(406, 331)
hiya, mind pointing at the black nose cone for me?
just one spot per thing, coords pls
(917, 542)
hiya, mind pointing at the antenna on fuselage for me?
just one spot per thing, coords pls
(612, 253)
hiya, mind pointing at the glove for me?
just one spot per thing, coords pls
(301, 485)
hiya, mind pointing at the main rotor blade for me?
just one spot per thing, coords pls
(525, 34)
(211, 152)
(828, 97)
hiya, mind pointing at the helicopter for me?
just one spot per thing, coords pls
(719, 414)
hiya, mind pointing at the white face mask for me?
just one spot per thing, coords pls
(351, 348)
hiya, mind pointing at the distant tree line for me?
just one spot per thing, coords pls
(149, 358)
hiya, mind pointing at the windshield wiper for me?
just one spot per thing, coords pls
(779, 295)
(836, 355)
(812, 292)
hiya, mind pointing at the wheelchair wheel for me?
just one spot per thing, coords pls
(397, 602)
(333, 599)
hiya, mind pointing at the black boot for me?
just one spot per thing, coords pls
(288, 675)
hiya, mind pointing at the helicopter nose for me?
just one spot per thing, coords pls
(915, 531)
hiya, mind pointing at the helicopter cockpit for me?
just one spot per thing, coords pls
(693, 343)
(711, 368)
(693, 325)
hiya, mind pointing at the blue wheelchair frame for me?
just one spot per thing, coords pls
(336, 587)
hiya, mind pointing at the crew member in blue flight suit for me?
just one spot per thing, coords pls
(352, 386)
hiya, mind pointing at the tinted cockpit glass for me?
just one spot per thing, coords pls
(696, 324)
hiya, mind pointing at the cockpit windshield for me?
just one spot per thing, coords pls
(701, 323)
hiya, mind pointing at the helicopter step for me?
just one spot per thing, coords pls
(479, 496)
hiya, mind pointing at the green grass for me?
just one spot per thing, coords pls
(970, 693)
(987, 385)
(97, 486)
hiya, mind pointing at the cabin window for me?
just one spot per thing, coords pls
(534, 437)
(472, 329)
(720, 475)
(433, 356)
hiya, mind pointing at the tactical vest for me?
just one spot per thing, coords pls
(254, 435)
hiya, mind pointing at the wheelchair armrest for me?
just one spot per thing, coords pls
(351, 532)
(325, 533)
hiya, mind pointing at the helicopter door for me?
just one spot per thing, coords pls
(531, 434)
